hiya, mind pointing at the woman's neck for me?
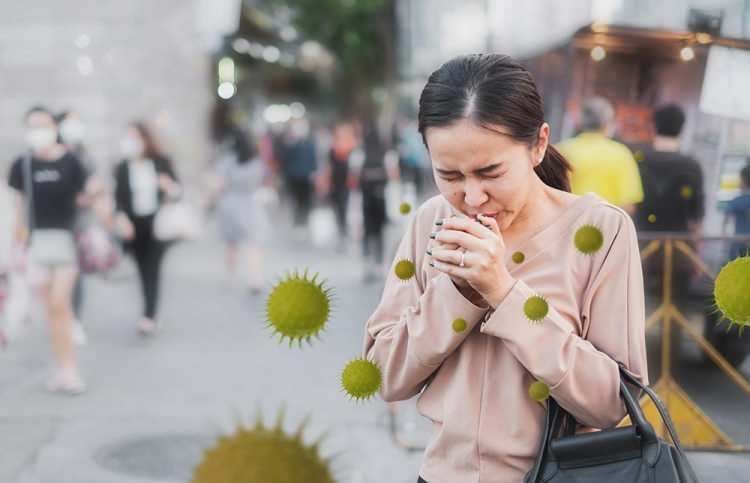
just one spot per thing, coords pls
(542, 206)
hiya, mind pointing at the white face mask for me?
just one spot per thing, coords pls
(41, 138)
(131, 147)
(72, 131)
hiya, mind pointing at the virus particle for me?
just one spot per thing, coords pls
(518, 257)
(652, 218)
(261, 454)
(687, 192)
(459, 325)
(361, 379)
(536, 309)
(539, 391)
(404, 208)
(404, 270)
(298, 308)
(638, 155)
(588, 239)
(731, 289)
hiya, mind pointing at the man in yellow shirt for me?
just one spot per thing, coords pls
(601, 165)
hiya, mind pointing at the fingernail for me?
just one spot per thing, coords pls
(429, 252)
(432, 264)
(433, 235)
(439, 222)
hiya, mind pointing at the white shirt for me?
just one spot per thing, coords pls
(144, 184)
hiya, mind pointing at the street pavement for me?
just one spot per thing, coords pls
(154, 405)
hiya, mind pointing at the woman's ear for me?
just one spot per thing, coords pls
(542, 143)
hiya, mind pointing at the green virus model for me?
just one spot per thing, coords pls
(459, 325)
(404, 208)
(638, 156)
(588, 239)
(298, 308)
(539, 391)
(536, 309)
(518, 257)
(405, 270)
(687, 192)
(652, 218)
(361, 379)
(732, 291)
(263, 455)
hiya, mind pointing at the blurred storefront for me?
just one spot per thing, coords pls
(639, 69)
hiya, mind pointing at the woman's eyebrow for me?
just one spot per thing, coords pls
(485, 169)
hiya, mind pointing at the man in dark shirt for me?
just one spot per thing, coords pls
(672, 182)
(673, 196)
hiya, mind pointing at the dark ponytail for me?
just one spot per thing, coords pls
(554, 170)
(491, 90)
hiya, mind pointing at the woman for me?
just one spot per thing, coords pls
(242, 221)
(144, 180)
(50, 182)
(507, 289)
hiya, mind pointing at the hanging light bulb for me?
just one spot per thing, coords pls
(598, 53)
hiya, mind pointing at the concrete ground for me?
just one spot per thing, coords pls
(154, 405)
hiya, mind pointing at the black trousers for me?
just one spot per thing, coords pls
(301, 190)
(340, 200)
(148, 253)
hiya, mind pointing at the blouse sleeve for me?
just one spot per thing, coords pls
(582, 369)
(416, 325)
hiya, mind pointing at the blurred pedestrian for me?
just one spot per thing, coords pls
(144, 180)
(242, 220)
(299, 164)
(373, 178)
(738, 210)
(49, 182)
(343, 144)
(412, 157)
(72, 133)
(600, 164)
(673, 198)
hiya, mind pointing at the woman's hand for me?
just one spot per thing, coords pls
(124, 227)
(169, 186)
(478, 258)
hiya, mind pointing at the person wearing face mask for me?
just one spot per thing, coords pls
(144, 179)
(49, 182)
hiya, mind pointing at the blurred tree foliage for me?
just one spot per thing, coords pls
(361, 35)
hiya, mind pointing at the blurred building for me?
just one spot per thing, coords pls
(113, 62)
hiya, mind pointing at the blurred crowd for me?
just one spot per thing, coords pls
(339, 184)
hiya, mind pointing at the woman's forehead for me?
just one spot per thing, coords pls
(465, 141)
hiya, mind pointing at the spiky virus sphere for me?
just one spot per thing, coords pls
(361, 379)
(404, 208)
(404, 270)
(732, 291)
(687, 192)
(539, 391)
(298, 308)
(459, 325)
(518, 257)
(652, 218)
(263, 455)
(536, 309)
(588, 239)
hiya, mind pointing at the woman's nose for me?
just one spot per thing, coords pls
(474, 194)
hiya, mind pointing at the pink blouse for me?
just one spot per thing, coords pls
(473, 384)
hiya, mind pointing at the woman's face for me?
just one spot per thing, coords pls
(480, 171)
(132, 144)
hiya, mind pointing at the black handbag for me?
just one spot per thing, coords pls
(632, 454)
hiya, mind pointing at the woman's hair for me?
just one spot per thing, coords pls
(150, 147)
(491, 90)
